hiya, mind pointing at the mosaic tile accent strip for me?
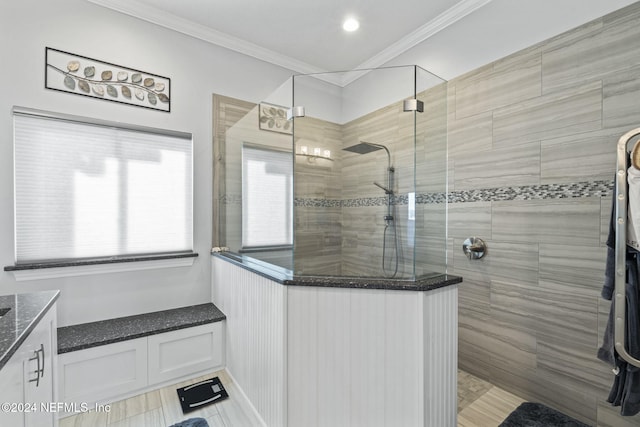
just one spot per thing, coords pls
(535, 192)
(317, 203)
(525, 192)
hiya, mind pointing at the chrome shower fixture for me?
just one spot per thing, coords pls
(364, 148)
(386, 190)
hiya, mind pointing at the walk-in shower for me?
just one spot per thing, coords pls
(389, 218)
(368, 157)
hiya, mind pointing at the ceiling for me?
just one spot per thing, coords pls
(446, 37)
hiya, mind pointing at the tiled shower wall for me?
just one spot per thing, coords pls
(532, 144)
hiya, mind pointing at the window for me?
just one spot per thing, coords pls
(87, 189)
(267, 197)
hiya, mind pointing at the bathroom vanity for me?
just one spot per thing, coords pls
(319, 351)
(28, 359)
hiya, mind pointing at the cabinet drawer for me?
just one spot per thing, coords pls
(185, 351)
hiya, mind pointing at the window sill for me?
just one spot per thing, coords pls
(38, 271)
(250, 249)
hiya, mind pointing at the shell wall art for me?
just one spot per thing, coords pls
(78, 74)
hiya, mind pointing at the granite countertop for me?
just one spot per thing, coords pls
(25, 311)
(285, 277)
(93, 334)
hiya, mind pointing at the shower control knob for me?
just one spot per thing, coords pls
(474, 248)
(388, 217)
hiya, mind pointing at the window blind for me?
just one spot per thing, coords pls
(267, 197)
(93, 189)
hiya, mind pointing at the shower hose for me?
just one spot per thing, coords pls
(384, 250)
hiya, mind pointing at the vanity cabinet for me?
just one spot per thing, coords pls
(29, 378)
(12, 391)
(39, 372)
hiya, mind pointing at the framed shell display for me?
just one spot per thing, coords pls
(68, 72)
(274, 118)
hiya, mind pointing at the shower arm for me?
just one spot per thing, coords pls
(389, 167)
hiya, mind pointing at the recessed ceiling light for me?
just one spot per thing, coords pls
(351, 24)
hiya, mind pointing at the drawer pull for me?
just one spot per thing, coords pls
(40, 370)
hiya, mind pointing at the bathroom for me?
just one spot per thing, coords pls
(530, 137)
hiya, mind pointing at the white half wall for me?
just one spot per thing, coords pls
(255, 336)
(315, 356)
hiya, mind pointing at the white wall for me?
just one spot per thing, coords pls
(196, 69)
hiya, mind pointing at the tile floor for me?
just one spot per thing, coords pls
(480, 404)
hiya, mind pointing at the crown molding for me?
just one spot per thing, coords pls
(181, 25)
(199, 31)
(437, 24)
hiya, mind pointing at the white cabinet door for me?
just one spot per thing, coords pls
(184, 352)
(104, 372)
(38, 373)
(11, 392)
(28, 379)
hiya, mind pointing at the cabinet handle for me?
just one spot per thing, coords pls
(41, 368)
(37, 371)
(40, 371)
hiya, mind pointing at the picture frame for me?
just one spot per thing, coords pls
(81, 75)
(273, 118)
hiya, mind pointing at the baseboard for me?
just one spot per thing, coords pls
(244, 397)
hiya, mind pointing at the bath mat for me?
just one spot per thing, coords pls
(538, 415)
(192, 422)
(204, 393)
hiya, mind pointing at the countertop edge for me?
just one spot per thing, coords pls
(93, 344)
(280, 275)
(32, 325)
(75, 337)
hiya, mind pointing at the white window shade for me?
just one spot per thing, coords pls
(97, 190)
(267, 197)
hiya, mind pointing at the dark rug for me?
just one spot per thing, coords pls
(538, 415)
(192, 422)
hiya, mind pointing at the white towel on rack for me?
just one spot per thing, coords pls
(633, 211)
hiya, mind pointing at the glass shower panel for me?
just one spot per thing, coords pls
(354, 174)
(254, 145)
(431, 175)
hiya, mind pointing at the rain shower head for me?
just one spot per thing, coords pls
(364, 148)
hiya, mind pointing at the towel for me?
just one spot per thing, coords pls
(633, 208)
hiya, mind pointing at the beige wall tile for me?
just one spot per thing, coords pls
(559, 114)
(470, 219)
(587, 156)
(501, 167)
(512, 80)
(473, 134)
(560, 221)
(580, 267)
(620, 107)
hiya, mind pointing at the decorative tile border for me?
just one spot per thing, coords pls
(526, 192)
(534, 192)
(317, 203)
